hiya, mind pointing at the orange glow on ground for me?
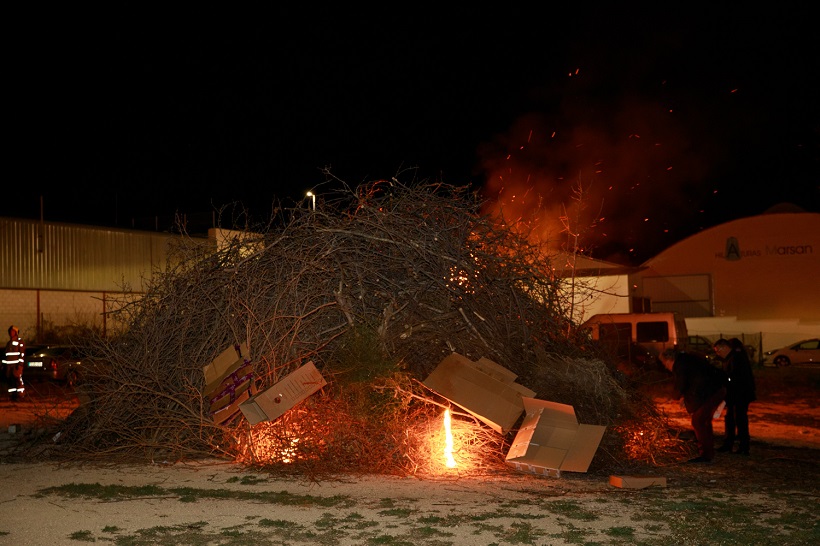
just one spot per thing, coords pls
(448, 447)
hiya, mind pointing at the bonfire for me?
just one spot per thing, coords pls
(375, 285)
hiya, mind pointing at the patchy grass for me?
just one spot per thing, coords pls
(187, 494)
(658, 517)
(246, 480)
(82, 536)
(570, 509)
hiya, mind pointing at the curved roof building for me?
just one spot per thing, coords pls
(759, 274)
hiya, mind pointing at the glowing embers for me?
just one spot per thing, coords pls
(461, 280)
(448, 441)
(280, 443)
(464, 278)
(288, 453)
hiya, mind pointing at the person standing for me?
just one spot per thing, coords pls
(702, 387)
(13, 363)
(740, 392)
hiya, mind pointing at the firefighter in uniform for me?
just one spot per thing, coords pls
(13, 363)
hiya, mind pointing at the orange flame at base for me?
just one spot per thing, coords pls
(448, 448)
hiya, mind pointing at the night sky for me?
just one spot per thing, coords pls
(671, 121)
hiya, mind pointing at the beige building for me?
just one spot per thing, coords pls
(591, 286)
(756, 276)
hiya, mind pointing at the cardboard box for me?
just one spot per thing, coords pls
(550, 440)
(234, 384)
(484, 388)
(226, 414)
(223, 365)
(637, 482)
(228, 383)
(272, 403)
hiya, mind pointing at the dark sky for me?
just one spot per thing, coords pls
(670, 120)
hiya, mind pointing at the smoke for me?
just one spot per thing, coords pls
(625, 172)
(650, 125)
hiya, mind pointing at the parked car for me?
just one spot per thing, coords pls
(60, 363)
(702, 346)
(803, 352)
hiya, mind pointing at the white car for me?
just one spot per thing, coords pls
(804, 352)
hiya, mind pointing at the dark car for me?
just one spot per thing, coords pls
(702, 346)
(59, 363)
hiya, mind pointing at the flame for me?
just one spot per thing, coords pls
(448, 447)
(288, 454)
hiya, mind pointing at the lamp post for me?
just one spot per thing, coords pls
(313, 198)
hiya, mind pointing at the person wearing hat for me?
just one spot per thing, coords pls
(702, 387)
(13, 364)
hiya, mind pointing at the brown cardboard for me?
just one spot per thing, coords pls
(225, 400)
(253, 412)
(228, 383)
(637, 482)
(485, 389)
(223, 365)
(495, 370)
(227, 413)
(235, 383)
(272, 403)
(550, 440)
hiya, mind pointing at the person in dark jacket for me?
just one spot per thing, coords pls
(740, 392)
(703, 388)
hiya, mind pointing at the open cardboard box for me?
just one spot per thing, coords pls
(226, 413)
(484, 388)
(550, 440)
(228, 361)
(228, 383)
(273, 402)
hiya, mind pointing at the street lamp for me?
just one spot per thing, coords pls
(313, 197)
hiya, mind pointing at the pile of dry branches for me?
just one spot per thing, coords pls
(375, 285)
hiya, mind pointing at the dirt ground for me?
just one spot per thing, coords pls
(789, 417)
(500, 507)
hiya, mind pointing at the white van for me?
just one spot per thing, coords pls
(638, 337)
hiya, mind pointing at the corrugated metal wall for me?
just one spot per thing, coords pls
(54, 256)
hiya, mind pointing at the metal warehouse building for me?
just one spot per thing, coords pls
(53, 275)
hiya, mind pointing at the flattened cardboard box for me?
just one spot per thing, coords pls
(551, 440)
(273, 402)
(637, 482)
(484, 388)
